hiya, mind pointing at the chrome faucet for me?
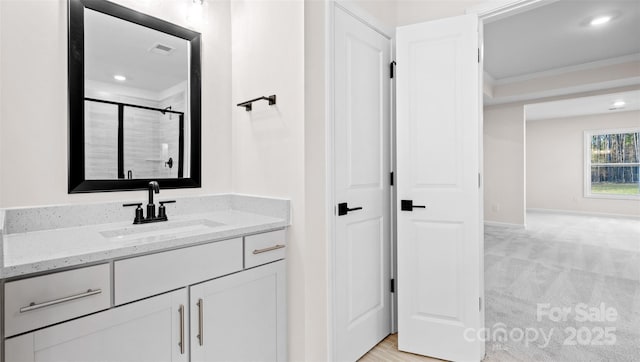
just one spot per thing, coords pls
(154, 187)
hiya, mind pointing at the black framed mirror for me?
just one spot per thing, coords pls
(134, 100)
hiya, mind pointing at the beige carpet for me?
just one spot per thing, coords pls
(566, 261)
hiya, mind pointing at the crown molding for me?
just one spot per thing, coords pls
(614, 85)
(569, 69)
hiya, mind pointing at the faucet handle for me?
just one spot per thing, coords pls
(138, 204)
(139, 212)
(162, 211)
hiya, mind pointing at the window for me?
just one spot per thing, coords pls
(612, 159)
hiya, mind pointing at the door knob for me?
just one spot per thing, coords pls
(407, 205)
(343, 208)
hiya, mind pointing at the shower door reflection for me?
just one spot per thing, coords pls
(128, 141)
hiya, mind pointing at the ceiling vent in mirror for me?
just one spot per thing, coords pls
(163, 49)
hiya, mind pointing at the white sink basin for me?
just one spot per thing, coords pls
(159, 229)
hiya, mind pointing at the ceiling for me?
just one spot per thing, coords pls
(114, 46)
(558, 35)
(575, 107)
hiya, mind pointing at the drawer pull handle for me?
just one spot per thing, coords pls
(181, 343)
(200, 325)
(33, 305)
(271, 248)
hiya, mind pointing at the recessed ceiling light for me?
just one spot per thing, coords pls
(120, 78)
(619, 104)
(600, 20)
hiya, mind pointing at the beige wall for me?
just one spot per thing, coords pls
(394, 13)
(558, 182)
(415, 11)
(268, 142)
(504, 131)
(504, 171)
(33, 106)
(384, 11)
(1, 41)
(316, 261)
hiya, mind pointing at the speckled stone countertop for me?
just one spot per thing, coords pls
(48, 238)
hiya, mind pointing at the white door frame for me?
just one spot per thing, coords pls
(492, 10)
(356, 11)
(488, 12)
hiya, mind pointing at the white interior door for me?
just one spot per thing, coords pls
(439, 221)
(362, 241)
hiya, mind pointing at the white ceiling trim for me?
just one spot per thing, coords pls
(582, 106)
(563, 91)
(569, 69)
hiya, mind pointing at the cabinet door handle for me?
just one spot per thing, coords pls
(181, 343)
(33, 305)
(271, 248)
(200, 325)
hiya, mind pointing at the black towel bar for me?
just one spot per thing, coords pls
(247, 104)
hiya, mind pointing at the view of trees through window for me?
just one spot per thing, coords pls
(615, 163)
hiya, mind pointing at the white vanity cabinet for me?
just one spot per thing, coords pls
(218, 301)
(140, 277)
(47, 299)
(148, 330)
(240, 317)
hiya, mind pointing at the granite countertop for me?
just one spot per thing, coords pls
(36, 249)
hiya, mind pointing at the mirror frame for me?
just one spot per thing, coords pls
(77, 182)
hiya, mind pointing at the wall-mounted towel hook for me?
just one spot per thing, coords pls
(247, 104)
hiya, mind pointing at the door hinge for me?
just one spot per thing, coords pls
(479, 180)
(478, 55)
(480, 304)
(391, 178)
(393, 285)
(392, 68)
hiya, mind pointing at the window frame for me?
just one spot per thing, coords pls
(588, 134)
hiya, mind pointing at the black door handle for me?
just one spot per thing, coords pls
(343, 208)
(407, 205)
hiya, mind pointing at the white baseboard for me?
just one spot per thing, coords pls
(582, 213)
(504, 225)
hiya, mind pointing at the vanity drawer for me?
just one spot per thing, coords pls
(264, 248)
(40, 301)
(148, 275)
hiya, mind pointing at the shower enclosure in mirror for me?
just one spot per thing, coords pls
(134, 100)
